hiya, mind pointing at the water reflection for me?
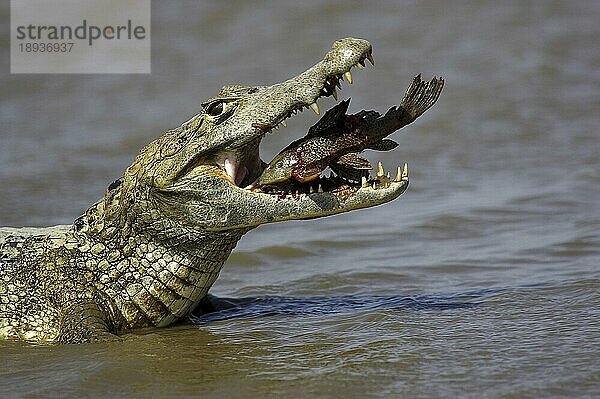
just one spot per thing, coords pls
(216, 309)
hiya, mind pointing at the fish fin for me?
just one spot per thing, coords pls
(353, 161)
(420, 96)
(329, 120)
(368, 116)
(383, 145)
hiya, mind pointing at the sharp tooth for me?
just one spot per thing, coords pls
(348, 76)
(276, 127)
(388, 175)
(315, 108)
(320, 188)
(339, 84)
(284, 124)
(370, 58)
(399, 174)
(361, 64)
(380, 171)
(311, 189)
(374, 186)
(405, 171)
(364, 182)
(334, 93)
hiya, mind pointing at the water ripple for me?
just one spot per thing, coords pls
(215, 309)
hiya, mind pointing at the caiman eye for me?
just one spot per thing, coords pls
(216, 109)
(220, 109)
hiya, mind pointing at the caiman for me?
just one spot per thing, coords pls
(147, 253)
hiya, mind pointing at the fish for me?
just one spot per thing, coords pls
(337, 139)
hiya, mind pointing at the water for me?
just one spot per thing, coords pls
(482, 280)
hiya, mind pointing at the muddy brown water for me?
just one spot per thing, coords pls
(482, 280)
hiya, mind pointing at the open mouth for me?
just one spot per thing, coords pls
(327, 159)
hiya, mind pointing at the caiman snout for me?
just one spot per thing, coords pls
(347, 51)
(282, 100)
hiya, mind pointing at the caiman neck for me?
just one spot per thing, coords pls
(152, 270)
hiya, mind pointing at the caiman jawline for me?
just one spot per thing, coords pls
(237, 172)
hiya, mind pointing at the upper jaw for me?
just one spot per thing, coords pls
(267, 108)
(321, 80)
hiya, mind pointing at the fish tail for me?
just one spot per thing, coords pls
(420, 96)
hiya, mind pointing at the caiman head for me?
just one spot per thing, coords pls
(203, 174)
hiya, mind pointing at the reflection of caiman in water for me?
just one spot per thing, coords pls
(148, 252)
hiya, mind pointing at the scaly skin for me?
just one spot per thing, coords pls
(148, 252)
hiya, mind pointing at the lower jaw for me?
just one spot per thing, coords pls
(333, 184)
